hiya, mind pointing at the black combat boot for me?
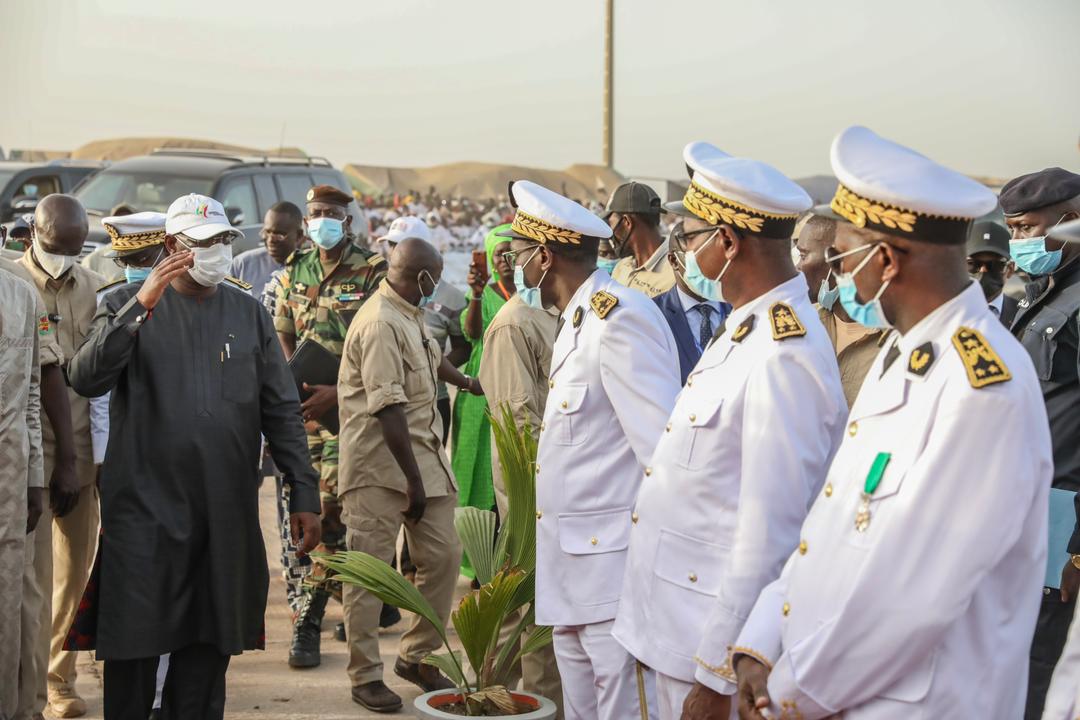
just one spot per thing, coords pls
(304, 652)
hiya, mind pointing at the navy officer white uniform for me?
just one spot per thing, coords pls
(916, 586)
(613, 381)
(748, 444)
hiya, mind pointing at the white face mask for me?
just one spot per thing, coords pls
(55, 265)
(212, 264)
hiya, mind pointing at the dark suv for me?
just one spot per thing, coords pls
(22, 184)
(246, 186)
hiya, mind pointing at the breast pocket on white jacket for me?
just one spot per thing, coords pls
(883, 501)
(697, 428)
(571, 424)
(595, 545)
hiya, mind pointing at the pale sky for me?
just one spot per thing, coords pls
(990, 87)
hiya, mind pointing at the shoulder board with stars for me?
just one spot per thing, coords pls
(921, 359)
(112, 284)
(744, 329)
(603, 303)
(983, 365)
(785, 323)
(238, 282)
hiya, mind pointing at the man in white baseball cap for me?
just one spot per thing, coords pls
(404, 228)
(199, 376)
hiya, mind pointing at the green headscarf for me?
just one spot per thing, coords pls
(490, 241)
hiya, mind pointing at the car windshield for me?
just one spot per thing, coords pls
(142, 191)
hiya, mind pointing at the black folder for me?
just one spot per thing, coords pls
(315, 365)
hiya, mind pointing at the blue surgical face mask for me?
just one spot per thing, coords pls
(529, 295)
(326, 232)
(607, 264)
(826, 296)
(870, 315)
(1031, 256)
(135, 273)
(706, 287)
(426, 300)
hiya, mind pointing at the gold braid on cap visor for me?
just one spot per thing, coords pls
(866, 213)
(135, 241)
(718, 210)
(541, 231)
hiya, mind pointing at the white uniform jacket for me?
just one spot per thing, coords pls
(613, 382)
(742, 458)
(930, 610)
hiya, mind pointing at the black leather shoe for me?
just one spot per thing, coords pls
(389, 617)
(375, 696)
(304, 652)
(339, 632)
(426, 677)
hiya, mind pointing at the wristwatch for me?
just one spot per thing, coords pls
(1075, 559)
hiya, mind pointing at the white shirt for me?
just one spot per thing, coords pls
(928, 613)
(692, 309)
(998, 303)
(744, 453)
(613, 382)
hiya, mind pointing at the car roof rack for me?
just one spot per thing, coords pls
(266, 160)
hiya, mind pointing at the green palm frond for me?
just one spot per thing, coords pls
(451, 665)
(480, 616)
(476, 528)
(517, 459)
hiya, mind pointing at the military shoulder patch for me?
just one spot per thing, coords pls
(743, 330)
(238, 282)
(785, 323)
(982, 364)
(603, 303)
(113, 284)
(579, 315)
(921, 359)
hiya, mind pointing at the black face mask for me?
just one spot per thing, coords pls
(991, 283)
(621, 246)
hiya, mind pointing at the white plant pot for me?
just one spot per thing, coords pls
(545, 709)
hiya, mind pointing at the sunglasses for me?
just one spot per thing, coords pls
(996, 267)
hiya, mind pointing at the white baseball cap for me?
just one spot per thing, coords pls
(407, 227)
(198, 217)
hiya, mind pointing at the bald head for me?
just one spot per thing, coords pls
(60, 224)
(415, 268)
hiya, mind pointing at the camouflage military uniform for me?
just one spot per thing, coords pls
(313, 307)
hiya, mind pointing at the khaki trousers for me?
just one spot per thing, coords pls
(372, 518)
(63, 553)
(15, 553)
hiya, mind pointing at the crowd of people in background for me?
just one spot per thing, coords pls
(765, 431)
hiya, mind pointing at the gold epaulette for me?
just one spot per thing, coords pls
(603, 303)
(983, 365)
(785, 323)
(238, 282)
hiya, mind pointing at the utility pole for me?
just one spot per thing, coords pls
(609, 83)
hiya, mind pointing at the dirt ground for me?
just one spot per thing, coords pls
(261, 684)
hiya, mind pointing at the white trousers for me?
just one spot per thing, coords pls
(670, 695)
(601, 681)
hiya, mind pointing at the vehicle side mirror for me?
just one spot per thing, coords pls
(235, 216)
(24, 204)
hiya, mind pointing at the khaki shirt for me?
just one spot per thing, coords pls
(22, 323)
(854, 360)
(71, 303)
(49, 352)
(103, 266)
(389, 359)
(514, 370)
(653, 278)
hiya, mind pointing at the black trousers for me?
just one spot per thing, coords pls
(194, 686)
(1051, 631)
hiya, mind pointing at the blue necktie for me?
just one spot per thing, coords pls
(705, 332)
